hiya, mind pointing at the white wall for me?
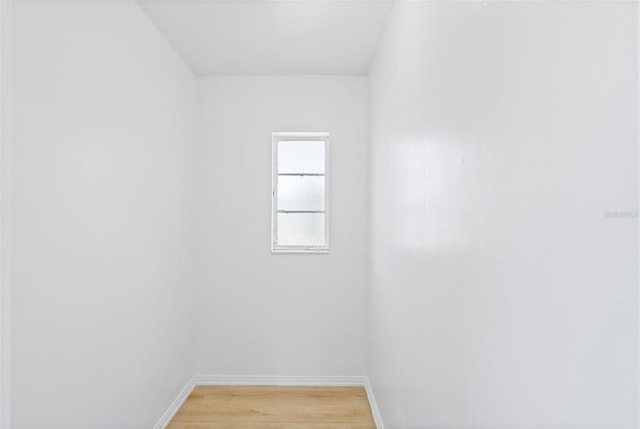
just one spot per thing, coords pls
(102, 247)
(502, 295)
(6, 20)
(278, 314)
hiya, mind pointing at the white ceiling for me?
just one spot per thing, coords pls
(272, 37)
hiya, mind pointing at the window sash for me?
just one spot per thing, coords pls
(278, 248)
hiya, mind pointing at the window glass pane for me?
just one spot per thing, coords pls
(301, 193)
(301, 156)
(301, 229)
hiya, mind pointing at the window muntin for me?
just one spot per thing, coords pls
(300, 197)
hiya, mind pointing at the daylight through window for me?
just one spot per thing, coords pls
(300, 203)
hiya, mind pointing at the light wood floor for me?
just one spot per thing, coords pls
(270, 407)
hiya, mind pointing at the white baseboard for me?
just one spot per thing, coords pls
(268, 380)
(375, 411)
(275, 380)
(175, 405)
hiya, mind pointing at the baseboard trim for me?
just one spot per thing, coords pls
(176, 404)
(273, 380)
(268, 380)
(375, 411)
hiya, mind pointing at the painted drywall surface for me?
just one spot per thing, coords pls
(504, 242)
(278, 314)
(5, 138)
(104, 124)
(273, 37)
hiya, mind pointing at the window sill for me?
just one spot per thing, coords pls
(304, 251)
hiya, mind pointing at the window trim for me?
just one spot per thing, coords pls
(298, 136)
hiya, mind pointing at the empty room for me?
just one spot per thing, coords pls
(319, 214)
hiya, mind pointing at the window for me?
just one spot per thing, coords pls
(300, 205)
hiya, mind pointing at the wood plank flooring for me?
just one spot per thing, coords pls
(271, 407)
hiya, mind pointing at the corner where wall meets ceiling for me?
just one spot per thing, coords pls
(273, 37)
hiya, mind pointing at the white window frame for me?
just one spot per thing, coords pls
(298, 136)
